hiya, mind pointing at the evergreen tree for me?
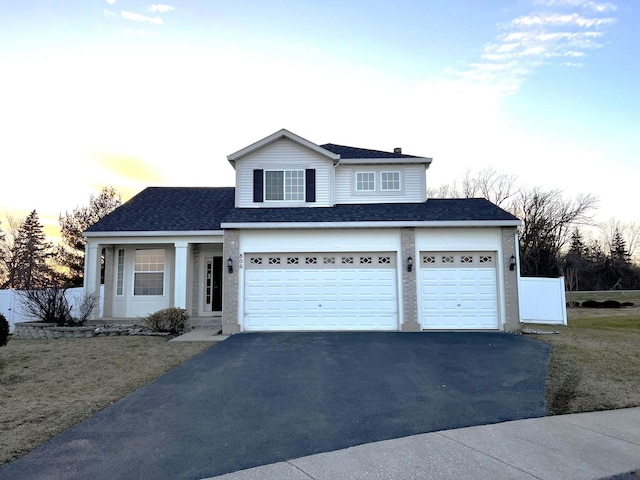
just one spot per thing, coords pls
(71, 253)
(575, 263)
(30, 254)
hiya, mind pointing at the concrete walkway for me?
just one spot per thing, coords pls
(200, 335)
(581, 446)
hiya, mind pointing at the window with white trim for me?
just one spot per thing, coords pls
(284, 185)
(120, 273)
(148, 275)
(390, 181)
(365, 181)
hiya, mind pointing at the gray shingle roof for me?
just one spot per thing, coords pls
(433, 210)
(353, 152)
(205, 208)
(170, 209)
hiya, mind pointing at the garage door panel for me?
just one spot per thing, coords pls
(461, 294)
(329, 297)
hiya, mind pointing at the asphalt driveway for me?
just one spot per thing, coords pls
(261, 398)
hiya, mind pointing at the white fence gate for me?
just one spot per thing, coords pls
(11, 305)
(542, 300)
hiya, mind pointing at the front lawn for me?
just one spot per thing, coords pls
(595, 361)
(46, 386)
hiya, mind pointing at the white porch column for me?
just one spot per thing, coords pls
(180, 277)
(92, 261)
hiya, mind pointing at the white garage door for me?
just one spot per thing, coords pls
(320, 291)
(458, 290)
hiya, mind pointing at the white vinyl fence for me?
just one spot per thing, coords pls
(11, 305)
(542, 300)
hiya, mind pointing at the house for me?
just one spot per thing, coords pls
(313, 237)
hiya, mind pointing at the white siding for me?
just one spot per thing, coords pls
(412, 178)
(283, 154)
(330, 240)
(458, 239)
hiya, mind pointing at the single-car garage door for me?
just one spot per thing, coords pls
(320, 291)
(458, 290)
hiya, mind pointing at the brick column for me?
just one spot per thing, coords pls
(511, 300)
(409, 283)
(230, 282)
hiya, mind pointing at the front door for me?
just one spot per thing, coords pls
(212, 294)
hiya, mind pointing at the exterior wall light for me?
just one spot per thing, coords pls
(230, 265)
(409, 264)
(512, 263)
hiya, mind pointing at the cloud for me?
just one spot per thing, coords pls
(111, 2)
(586, 4)
(161, 8)
(566, 28)
(137, 17)
(128, 167)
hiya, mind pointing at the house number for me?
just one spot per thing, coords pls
(241, 261)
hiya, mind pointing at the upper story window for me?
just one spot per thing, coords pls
(365, 181)
(148, 277)
(287, 185)
(389, 181)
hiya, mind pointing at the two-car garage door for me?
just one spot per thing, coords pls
(320, 291)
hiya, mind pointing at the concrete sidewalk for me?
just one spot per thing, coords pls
(581, 446)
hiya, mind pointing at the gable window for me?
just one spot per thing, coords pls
(287, 185)
(148, 276)
(389, 181)
(365, 181)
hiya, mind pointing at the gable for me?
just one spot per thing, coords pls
(313, 171)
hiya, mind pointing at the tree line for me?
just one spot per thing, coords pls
(552, 241)
(28, 260)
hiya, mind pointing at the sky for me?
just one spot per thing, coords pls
(130, 94)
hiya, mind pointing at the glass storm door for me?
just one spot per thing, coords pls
(213, 284)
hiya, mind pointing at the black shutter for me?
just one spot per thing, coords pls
(258, 188)
(310, 185)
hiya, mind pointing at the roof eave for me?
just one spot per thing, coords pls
(372, 224)
(156, 233)
(396, 161)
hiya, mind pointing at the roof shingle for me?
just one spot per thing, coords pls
(175, 209)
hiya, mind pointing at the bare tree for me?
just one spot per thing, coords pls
(7, 249)
(496, 187)
(548, 220)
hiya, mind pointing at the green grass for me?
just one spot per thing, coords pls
(46, 386)
(619, 295)
(595, 361)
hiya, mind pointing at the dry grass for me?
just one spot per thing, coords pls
(595, 361)
(46, 386)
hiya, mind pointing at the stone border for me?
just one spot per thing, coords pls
(40, 330)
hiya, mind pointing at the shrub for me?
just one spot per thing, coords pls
(611, 304)
(170, 320)
(4, 330)
(592, 304)
(48, 305)
(627, 304)
(573, 303)
(51, 305)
